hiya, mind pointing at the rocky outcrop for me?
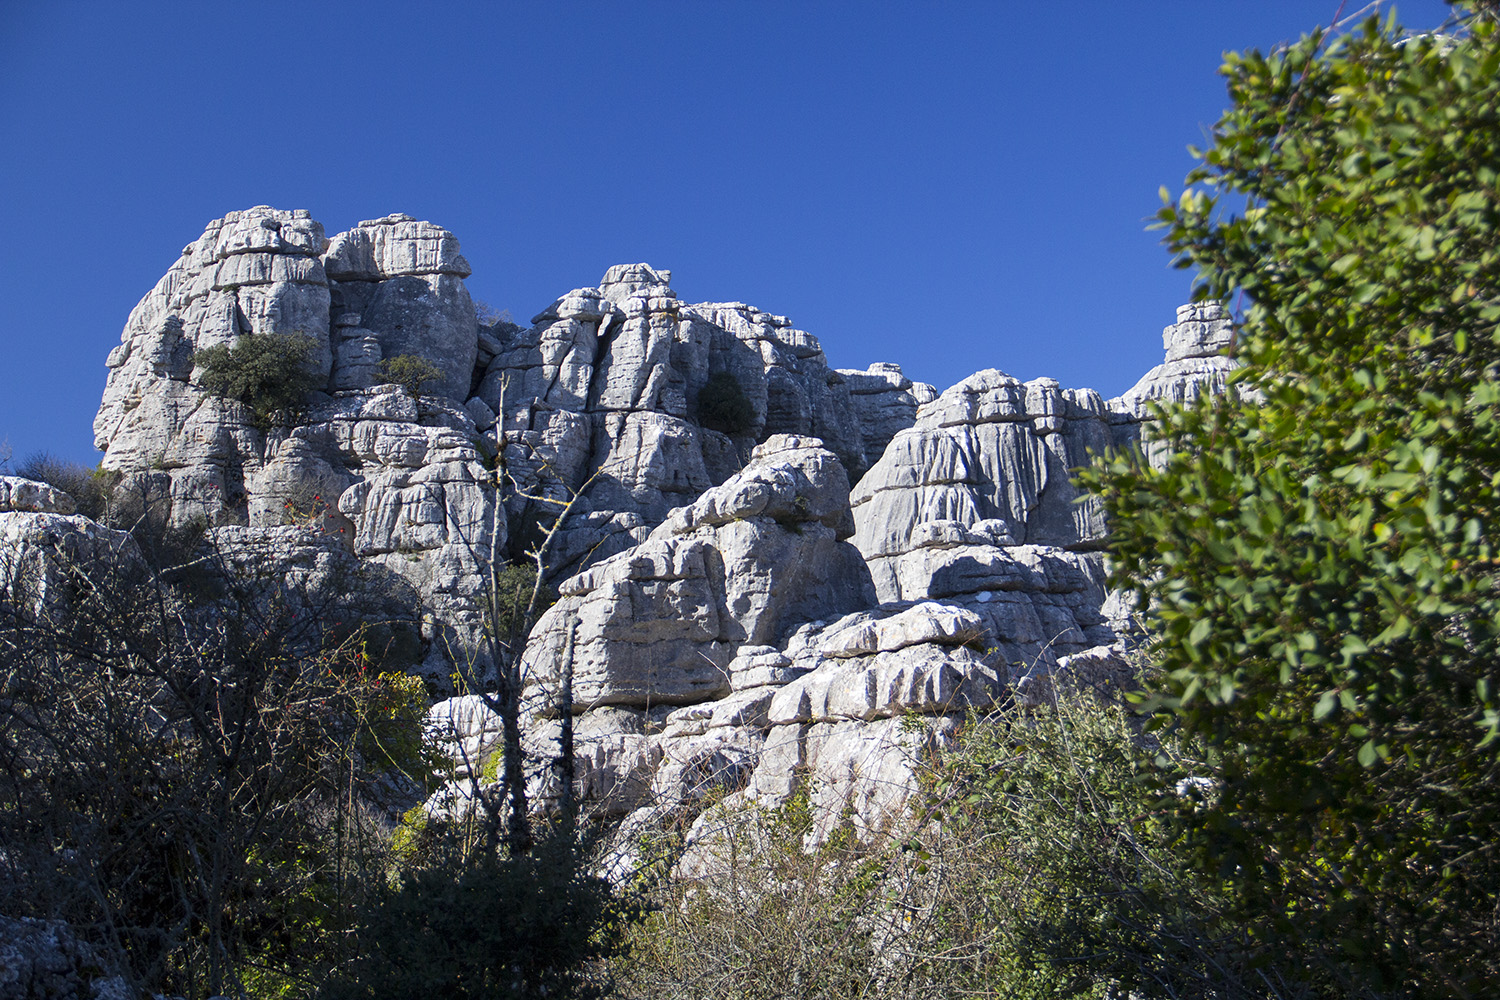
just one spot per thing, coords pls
(47, 551)
(1196, 365)
(607, 384)
(746, 563)
(734, 617)
(600, 395)
(44, 958)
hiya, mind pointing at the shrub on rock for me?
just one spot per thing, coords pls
(266, 372)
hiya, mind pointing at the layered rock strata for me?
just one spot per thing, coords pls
(733, 615)
(602, 392)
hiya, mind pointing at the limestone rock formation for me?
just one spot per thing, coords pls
(770, 568)
(602, 391)
(1196, 365)
(744, 564)
(608, 383)
(44, 546)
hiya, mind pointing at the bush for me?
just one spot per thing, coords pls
(89, 488)
(180, 776)
(723, 405)
(513, 588)
(410, 371)
(270, 373)
(1039, 866)
(532, 925)
(762, 918)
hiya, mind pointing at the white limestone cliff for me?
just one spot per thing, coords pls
(740, 611)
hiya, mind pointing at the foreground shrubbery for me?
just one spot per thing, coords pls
(1041, 867)
(200, 789)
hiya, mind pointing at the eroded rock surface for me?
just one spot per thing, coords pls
(599, 395)
(736, 621)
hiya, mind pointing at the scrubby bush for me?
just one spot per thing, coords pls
(763, 918)
(410, 371)
(723, 405)
(519, 926)
(269, 373)
(513, 589)
(89, 488)
(1038, 864)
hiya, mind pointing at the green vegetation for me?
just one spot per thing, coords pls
(1319, 570)
(1040, 867)
(723, 405)
(89, 488)
(271, 374)
(410, 371)
(515, 926)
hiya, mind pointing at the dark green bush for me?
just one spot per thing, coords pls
(534, 925)
(723, 405)
(270, 373)
(410, 371)
(513, 586)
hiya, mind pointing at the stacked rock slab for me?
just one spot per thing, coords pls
(602, 390)
(973, 506)
(885, 403)
(1196, 365)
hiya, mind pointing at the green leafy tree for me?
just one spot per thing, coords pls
(1319, 569)
(410, 371)
(269, 373)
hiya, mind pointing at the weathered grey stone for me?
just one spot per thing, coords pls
(660, 623)
(46, 558)
(1197, 365)
(30, 496)
(391, 247)
(885, 403)
(44, 958)
(990, 449)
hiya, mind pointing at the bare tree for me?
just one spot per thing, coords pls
(511, 608)
(165, 749)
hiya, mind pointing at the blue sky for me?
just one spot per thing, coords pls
(949, 186)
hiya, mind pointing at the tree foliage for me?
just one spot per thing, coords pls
(268, 373)
(1319, 569)
(410, 371)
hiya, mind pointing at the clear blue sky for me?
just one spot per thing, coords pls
(949, 186)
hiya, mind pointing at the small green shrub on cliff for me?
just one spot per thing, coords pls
(270, 373)
(723, 405)
(410, 371)
(513, 585)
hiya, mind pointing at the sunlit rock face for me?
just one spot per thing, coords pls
(812, 589)
(1198, 363)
